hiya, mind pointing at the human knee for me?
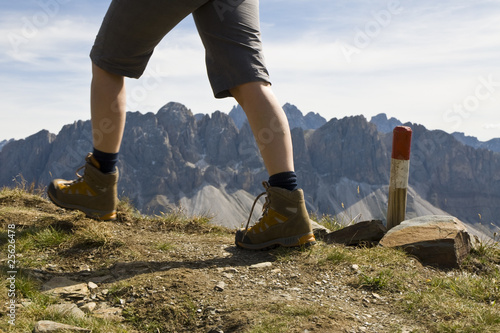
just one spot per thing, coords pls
(249, 91)
(99, 72)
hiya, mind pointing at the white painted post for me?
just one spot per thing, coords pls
(400, 169)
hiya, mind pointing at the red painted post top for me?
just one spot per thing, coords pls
(401, 143)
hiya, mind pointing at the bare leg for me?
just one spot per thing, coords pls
(107, 104)
(269, 125)
(96, 193)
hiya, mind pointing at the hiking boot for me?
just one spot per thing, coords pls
(94, 193)
(284, 222)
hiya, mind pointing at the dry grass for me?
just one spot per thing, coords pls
(461, 300)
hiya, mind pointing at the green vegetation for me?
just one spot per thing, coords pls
(166, 281)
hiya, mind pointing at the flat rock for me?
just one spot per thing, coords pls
(261, 265)
(51, 326)
(58, 282)
(436, 240)
(65, 288)
(66, 309)
(361, 232)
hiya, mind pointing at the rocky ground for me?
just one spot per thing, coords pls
(209, 285)
(177, 274)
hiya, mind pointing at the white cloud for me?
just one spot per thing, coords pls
(47, 75)
(425, 61)
(428, 58)
(492, 126)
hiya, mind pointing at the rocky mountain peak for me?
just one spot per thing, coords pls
(296, 118)
(218, 135)
(314, 120)
(4, 142)
(292, 110)
(26, 158)
(349, 147)
(493, 144)
(238, 115)
(175, 110)
(180, 127)
(383, 124)
(170, 159)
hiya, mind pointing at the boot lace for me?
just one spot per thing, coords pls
(265, 208)
(79, 178)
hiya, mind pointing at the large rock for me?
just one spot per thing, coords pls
(359, 233)
(435, 240)
(51, 326)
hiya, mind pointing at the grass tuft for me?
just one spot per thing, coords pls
(376, 282)
(92, 235)
(339, 255)
(164, 246)
(328, 221)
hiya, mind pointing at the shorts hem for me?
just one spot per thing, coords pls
(112, 69)
(224, 92)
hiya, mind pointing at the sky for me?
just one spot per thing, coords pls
(435, 63)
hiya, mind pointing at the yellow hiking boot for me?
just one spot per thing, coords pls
(284, 222)
(94, 193)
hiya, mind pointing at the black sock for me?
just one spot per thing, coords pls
(286, 180)
(107, 161)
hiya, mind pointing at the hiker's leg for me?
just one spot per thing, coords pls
(107, 104)
(269, 125)
(120, 49)
(236, 67)
(128, 35)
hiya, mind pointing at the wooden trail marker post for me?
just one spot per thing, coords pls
(400, 169)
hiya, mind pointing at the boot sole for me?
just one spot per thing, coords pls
(94, 214)
(294, 241)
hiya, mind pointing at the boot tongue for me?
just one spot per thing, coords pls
(91, 159)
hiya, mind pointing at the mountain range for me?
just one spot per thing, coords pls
(210, 164)
(4, 142)
(386, 125)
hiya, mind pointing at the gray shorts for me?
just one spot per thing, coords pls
(229, 30)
